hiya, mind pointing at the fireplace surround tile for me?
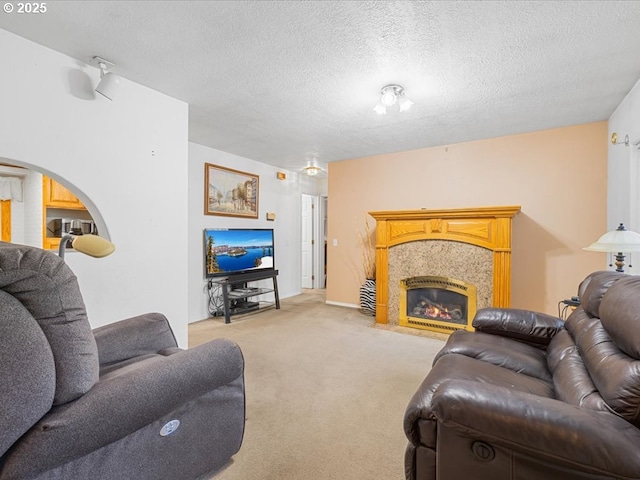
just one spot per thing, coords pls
(468, 263)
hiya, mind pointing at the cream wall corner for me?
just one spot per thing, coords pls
(558, 176)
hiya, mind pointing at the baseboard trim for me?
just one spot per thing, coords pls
(342, 304)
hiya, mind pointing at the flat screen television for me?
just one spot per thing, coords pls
(237, 250)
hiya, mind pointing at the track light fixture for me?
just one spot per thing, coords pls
(391, 95)
(109, 82)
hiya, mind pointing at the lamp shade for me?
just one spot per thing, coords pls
(93, 245)
(618, 240)
(108, 85)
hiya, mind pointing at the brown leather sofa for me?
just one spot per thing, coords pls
(527, 396)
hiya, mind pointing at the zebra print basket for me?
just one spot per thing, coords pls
(368, 297)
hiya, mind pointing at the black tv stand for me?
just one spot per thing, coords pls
(236, 294)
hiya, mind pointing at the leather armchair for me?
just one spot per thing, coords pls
(527, 396)
(119, 402)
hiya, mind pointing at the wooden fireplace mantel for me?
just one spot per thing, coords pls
(488, 227)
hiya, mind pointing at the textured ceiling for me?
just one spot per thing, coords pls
(282, 82)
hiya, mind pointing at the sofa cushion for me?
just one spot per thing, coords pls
(48, 289)
(27, 371)
(615, 374)
(570, 377)
(620, 315)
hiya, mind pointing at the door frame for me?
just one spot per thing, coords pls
(5, 223)
(318, 235)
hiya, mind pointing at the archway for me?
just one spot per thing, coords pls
(31, 219)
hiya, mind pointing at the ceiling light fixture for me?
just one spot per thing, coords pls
(391, 95)
(109, 82)
(312, 170)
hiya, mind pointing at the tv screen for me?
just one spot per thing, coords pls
(237, 250)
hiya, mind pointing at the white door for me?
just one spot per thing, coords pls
(307, 241)
(320, 242)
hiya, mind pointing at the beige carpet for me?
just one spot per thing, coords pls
(326, 391)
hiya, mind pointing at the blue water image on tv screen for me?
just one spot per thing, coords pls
(236, 250)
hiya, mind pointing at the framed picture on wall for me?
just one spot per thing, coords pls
(230, 192)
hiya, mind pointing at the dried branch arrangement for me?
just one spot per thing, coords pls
(368, 251)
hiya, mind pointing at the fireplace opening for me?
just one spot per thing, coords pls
(437, 303)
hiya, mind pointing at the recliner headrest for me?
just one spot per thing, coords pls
(620, 315)
(49, 290)
(593, 288)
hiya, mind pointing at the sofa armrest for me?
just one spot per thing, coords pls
(122, 405)
(133, 337)
(540, 427)
(525, 325)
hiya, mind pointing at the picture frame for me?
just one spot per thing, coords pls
(230, 193)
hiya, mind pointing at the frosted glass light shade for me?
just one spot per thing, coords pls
(388, 98)
(380, 109)
(618, 240)
(405, 104)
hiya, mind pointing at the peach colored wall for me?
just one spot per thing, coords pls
(558, 176)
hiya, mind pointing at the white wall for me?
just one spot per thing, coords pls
(623, 193)
(29, 231)
(127, 160)
(282, 197)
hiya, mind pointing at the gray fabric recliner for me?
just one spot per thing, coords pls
(79, 404)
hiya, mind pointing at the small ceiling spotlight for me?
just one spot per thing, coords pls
(391, 95)
(109, 82)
